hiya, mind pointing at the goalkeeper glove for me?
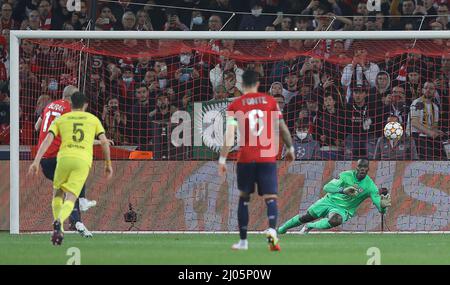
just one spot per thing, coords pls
(351, 191)
(385, 201)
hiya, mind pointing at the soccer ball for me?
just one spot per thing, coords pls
(393, 131)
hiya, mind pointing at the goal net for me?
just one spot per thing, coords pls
(159, 98)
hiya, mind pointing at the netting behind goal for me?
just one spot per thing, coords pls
(342, 92)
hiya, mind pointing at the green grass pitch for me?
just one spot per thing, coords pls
(183, 249)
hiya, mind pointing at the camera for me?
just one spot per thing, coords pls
(131, 215)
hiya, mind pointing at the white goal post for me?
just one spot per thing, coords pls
(16, 36)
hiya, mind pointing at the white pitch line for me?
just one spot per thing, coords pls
(235, 232)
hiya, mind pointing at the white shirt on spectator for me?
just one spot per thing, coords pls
(216, 76)
(430, 109)
(369, 73)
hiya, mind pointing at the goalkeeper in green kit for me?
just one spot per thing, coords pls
(343, 197)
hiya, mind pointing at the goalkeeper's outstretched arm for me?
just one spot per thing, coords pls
(381, 202)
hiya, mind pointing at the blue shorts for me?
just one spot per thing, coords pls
(48, 167)
(262, 174)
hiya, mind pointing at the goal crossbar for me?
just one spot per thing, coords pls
(16, 36)
(236, 35)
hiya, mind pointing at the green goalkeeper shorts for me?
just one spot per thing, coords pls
(323, 208)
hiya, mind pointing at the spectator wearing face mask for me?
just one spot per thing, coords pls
(128, 83)
(162, 74)
(306, 148)
(256, 21)
(198, 22)
(186, 71)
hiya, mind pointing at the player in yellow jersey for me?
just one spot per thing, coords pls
(77, 130)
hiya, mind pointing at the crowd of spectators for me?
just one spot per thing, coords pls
(335, 100)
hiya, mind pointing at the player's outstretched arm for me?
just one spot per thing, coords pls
(104, 142)
(228, 143)
(34, 167)
(286, 137)
(37, 126)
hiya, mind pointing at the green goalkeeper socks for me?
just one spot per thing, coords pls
(292, 223)
(320, 224)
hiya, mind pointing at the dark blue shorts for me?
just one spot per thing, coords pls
(262, 174)
(48, 167)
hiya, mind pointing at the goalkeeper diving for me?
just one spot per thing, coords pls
(344, 195)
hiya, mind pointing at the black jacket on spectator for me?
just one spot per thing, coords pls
(355, 117)
(20, 6)
(58, 18)
(140, 131)
(332, 126)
